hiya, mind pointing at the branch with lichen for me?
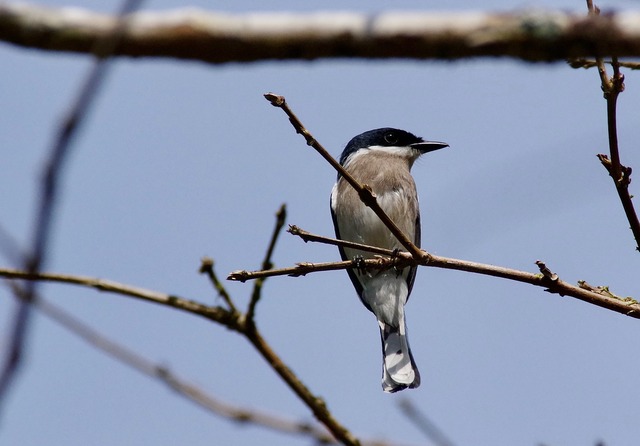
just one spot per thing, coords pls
(216, 37)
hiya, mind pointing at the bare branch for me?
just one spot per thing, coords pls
(621, 175)
(221, 38)
(547, 279)
(281, 217)
(309, 237)
(213, 313)
(424, 424)
(233, 320)
(101, 47)
(206, 267)
(364, 191)
(180, 385)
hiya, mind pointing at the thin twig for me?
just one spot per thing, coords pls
(281, 217)
(309, 237)
(206, 267)
(181, 386)
(620, 174)
(364, 191)
(52, 172)
(424, 424)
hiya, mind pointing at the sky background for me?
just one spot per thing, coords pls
(180, 160)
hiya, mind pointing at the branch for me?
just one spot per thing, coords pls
(102, 47)
(587, 63)
(216, 314)
(364, 191)
(304, 268)
(309, 237)
(233, 320)
(281, 217)
(424, 424)
(620, 174)
(221, 38)
(546, 279)
(206, 267)
(180, 385)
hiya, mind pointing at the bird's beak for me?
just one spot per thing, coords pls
(429, 146)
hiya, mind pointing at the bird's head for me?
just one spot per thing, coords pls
(392, 141)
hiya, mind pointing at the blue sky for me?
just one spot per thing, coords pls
(180, 160)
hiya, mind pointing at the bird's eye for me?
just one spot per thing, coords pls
(391, 138)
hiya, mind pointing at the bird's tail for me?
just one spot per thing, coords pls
(399, 370)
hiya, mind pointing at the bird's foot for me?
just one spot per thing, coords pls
(360, 264)
(394, 256)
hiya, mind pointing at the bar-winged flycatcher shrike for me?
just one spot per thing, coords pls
(382, 159)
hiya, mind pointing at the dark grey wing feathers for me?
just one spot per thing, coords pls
(352, 275)
(411, 277)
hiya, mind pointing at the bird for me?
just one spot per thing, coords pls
(382, 159)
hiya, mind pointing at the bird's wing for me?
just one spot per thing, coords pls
(411, 277)
(352, 275)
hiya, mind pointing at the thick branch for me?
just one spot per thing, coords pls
(220, 38)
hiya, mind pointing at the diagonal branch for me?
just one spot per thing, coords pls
(281, 217)
(183, 387)
(102, 48)
(232, 320)
(206, 267)
(364, 191)
(304, 268)
(620, 174)
(433, 433)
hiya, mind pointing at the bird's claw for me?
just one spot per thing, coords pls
(394, 256)
(360, 264)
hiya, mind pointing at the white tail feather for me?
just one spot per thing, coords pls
(399, 368)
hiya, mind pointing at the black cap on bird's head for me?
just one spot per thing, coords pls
(388, 137)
